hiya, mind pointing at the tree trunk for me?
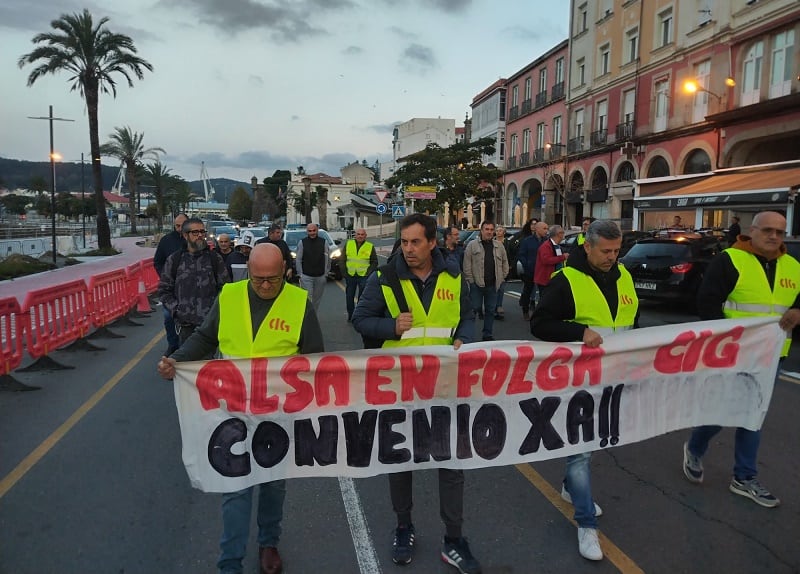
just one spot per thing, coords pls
(103, 231)
(307, 199)
(130, 168)
(322, 206)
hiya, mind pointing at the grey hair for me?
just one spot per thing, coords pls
(554, 230)
(604, 228)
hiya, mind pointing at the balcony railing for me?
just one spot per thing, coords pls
(526, 106)
(575, 145)
(525, 158)
(555, 151)
(538, 155)
(511, 162)
(513, 113)
(541, 99)
(599, 137)
(557, 92)
(625, 131)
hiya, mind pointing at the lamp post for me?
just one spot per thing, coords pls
(51, 119)
(83, 201)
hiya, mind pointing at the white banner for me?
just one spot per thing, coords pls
(363, 413)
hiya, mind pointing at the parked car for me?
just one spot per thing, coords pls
(293, 236)
(670, 268)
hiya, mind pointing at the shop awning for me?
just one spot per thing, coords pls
(750, 186)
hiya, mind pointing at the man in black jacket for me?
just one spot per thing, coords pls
(313, 263)
(573, 310)
(275, 236)
(169, 244)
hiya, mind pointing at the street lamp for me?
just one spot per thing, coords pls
(83, 202)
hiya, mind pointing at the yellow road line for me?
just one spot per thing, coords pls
(612, 552)
(37, 454)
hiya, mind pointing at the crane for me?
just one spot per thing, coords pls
(207, 187)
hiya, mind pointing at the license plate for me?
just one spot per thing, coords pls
(645, 285)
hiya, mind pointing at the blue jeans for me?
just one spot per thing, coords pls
(745, 450)
(173, 340)
(500, 293)
(357, 281)
(236, 511)
(486, 296)
(578, 481)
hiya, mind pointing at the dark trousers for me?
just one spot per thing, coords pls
(528, 294)
(173, 341)
(357, 281)
(451, 498)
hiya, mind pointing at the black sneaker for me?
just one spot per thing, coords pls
(755, 491)
(455, 551)
(403, 545)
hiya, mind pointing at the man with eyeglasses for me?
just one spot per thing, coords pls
(264, 296)
(191, 280)
(169, 244)
(754, 277)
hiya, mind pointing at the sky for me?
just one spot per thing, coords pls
(251, 86)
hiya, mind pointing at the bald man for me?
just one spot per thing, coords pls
(358, 260)
(265, 295)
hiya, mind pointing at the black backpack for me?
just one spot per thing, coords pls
(390, 273)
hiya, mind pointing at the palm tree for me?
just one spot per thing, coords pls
(127, 146)
(92, 55)
(159, 176)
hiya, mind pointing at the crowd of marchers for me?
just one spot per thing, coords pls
(220, 303)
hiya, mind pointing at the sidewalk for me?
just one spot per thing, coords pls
(130, 253)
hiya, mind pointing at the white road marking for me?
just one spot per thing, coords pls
(359, 530)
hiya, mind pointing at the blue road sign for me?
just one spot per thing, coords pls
(381, 208)
(398, 211)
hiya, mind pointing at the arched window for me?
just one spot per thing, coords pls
(626, 172)
(658, 167)
(697, 162)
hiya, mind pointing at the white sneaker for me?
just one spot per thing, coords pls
(589, 544)
(565, 495)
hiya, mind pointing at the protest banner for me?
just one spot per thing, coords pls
(363, 413)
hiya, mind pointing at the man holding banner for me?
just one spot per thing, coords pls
(591, 298)
(421, 299)
(755, 277)
(281, 322)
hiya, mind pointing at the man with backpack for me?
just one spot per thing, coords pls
(400, 307)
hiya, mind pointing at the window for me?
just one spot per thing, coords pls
(583, 19)
(542, 80)
(633, 45)
(704, 12)
(602, 115)
(559, 70)
(514, 145)
(541, 135)
(556, 133)
(502, 145)
(665, 27)
(527, 89)
(702, 73)
(526, 140)
(780, 77)
(579, 123)
(581, 72)
(606, 7)
(751, 72)
(503, 106)
(515, 96)
(662, 105)
(605, 59)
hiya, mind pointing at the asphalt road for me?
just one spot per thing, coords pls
(91, 480)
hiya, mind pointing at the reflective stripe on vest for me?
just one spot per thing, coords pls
(436, 327)
(752, 296)
(358, 259)
(279, 333)
(588, 307)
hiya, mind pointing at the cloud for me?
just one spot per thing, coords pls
(418, 59)
(402, 33)
(353, 51)
(295, 118)
(264, 162)
(286, 21)
(255, 81)
(452, 6)
(520, 33)
(382, 128)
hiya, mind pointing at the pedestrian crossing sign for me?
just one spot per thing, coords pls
(398, 211)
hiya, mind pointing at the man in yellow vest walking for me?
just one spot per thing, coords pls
(358, 260)
(754, 277)
(421, 299)
(589, 299)
(239, 323)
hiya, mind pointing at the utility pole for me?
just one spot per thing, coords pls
(51, 119)
(83, 202)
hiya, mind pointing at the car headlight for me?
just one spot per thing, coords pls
(336, 253)
(294, 255)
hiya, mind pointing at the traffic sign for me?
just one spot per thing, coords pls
(398, 211)
(381, 208)
(381, 194)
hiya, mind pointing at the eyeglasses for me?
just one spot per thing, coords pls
(261, 280)
(196, 232)
(771, 231)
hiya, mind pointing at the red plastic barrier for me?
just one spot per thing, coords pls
(12, 330)
(150, 276)
(133, 274)
(56, 316)
(108, 296)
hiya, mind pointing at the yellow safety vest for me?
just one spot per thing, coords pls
(279, 333)
(581, 239)
(436, 327)
(591, 307)
(752, 296)
(358, 259)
